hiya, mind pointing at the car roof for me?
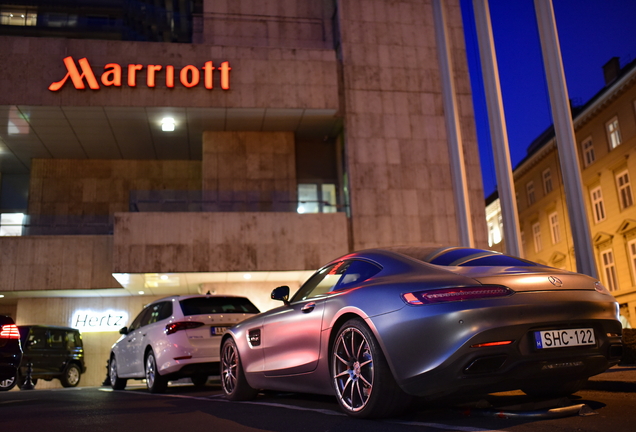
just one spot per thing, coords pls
(48, 327)
(183, 297)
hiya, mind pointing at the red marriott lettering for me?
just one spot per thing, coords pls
(189, 76)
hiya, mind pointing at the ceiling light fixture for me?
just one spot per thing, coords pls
(247, 276)
(167, 124)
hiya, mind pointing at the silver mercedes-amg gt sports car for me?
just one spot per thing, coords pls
(380, 327)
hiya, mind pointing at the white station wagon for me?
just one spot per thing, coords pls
(175, 337)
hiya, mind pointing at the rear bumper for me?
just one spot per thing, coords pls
(518, 365)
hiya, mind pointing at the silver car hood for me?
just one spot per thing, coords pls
(525, 279)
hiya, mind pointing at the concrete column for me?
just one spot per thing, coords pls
(455, 146)
(566, 142)
(498, 132)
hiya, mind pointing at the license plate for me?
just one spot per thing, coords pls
(564, 338)
(217, 331)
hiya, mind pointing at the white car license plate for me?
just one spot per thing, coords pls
(564, 338)
(217, 331)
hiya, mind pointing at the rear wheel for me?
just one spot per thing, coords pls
(9, 383)
(155, 382)
(115, 382)
(363, 382)
(554, 388)
(199, 380)
(71, 376)
(233, 378)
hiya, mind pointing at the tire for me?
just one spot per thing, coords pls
(554, 388)
(154, 381)
(362, 379)
(233, 381)
(199, 380)
(115, 382)
(9, 383)
(71, 376)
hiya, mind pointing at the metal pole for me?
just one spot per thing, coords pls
(566, 142)
(498, 132)
(451, 112)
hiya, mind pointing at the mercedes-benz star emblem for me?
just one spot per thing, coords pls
(555, 281)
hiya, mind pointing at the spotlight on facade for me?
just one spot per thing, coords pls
(167, 124)
(247, 276)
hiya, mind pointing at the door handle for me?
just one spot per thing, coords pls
(308, 307)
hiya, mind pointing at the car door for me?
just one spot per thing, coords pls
(291, 337)
(127, 347)
(57, 353)
(35, 350)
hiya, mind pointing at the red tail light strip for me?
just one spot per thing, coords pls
(489, 344)
(9, 331)
(456, 294)
(183, 325)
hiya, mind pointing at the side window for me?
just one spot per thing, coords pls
(56, 338)
(356, 271)
(320, 283)
(37, 338)
(137, 322)
(157, 313)
(166, 311)
(70, 340)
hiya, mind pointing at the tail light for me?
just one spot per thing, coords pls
(184, 325)
(456, 294)
(9, 331)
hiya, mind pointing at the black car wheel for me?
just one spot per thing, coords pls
(155, 382)
(363, 382)
(233, 378)
(9, 383)
(115, 382)
(199, 380)
(71, 376)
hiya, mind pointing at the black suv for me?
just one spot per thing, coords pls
(10, 353)
(54, 352)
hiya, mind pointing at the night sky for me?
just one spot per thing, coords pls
(590, 33)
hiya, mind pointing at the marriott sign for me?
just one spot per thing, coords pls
(189, 76)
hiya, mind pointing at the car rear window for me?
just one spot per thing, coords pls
(210, 305)
(464, 257)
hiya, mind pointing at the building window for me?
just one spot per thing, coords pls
(554, 228)
(547, 181)
(597, 204)
(530, 193)
(588, 152)
(18, 16)
(609, 269)
(631, 247)
(624, 189)
(317, 198)
(11, 224)
(613, 133)
(536, 235)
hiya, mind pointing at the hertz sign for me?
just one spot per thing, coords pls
(189, 76)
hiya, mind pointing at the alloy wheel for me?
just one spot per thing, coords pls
(352, 369)
(229, 367)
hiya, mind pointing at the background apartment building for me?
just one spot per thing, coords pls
(605, 130)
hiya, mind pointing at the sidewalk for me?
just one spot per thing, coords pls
(618, 373)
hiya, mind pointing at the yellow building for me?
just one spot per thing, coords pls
(605, 130)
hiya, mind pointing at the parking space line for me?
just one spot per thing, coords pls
(221, 398)
(445, 427)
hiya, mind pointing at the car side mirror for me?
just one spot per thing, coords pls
(123, 330)
(281, 293)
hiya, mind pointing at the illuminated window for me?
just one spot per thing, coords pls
(547, 181)
(536, 235)
(555, 231)
(609, 270)
(11, 224)
(18, 16)
(597, 204)
(588, 152)
(631, 247)
(624, 190)
(530, 192)
(613, 133)
(317, 198)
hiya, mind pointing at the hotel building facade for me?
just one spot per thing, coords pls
(280, 135)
